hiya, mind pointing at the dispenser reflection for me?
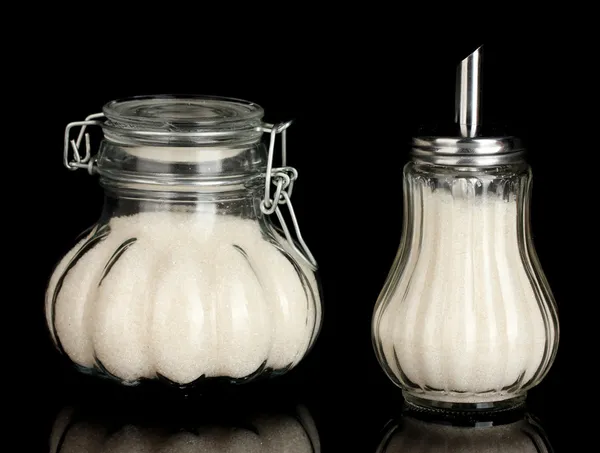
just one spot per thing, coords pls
(410, 434)
(82, 429)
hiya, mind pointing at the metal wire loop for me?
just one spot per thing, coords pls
(307, 254)
(273, 130)
(78, 161)
(268, 207)
(283, 179)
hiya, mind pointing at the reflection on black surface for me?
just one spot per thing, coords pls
(414, 434)
(183, 427)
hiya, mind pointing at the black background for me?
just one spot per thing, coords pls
(356, 98)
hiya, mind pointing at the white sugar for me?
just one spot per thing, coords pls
(464, 316)
(194, 294)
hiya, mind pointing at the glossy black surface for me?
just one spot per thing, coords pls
(303, 412)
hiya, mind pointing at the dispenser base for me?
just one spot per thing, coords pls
(445, 403)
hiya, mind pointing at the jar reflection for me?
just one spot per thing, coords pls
(183, 428)
(410, 434)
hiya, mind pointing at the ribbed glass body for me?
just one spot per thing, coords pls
(466, 316)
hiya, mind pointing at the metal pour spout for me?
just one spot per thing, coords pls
(468, 94)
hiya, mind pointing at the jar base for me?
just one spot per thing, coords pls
(481, 404)
(100, 373)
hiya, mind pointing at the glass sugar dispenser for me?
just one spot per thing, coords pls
(185, 278)
(466, 319)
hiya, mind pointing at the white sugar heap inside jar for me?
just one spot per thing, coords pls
(183, 295)
(464, 319)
